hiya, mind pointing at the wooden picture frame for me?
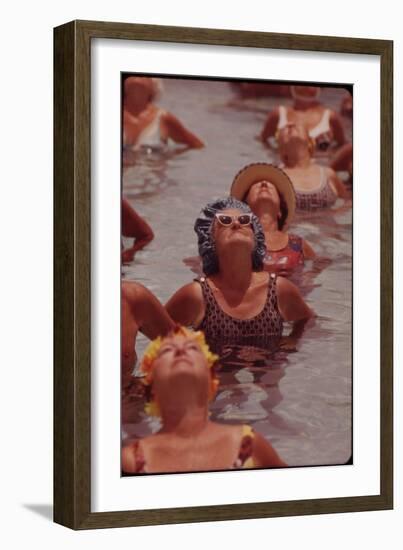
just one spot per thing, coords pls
(72, 273)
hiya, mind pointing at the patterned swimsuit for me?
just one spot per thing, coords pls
(242, 340)
(243, 460)
(321, 197)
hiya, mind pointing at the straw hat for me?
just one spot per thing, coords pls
(259, 171)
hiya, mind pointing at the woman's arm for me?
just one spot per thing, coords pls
(131, 128)
(292, 308)
(337, 185)
(308, 251)
(343, 159)
(149, 314)
(270, 126)
(172, 128)
(186, 306)
(135, 226)
(291, 305)
(337, 127)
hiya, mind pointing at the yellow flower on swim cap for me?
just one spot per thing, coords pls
(151, 354)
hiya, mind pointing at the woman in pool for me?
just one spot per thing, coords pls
(323, 125)
(179, 373)
(316, 186)
(236, 303)
(269, 193)
(145, 124)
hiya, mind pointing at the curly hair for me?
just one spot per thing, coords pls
(203, 228)
(151, 354)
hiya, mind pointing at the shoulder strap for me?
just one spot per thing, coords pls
(246, 446)
(323, 178)
(323, 125)
(282, 116)
(206, 290)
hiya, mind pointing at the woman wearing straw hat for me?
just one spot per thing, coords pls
(236, 303)
(269, 193)
(180, 379)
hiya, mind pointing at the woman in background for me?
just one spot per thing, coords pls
(316, 186)
(269, 193)
(323, 125)
(147, 125)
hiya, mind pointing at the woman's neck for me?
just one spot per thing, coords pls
(268, 216)
(185, 420)
(269, 222)
(235, 269)
(137, 109)
(297, 157)
(305, 104)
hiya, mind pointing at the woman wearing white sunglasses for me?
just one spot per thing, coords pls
(237, 304)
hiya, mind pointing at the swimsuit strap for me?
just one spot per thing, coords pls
(323, 125)
(210, 302)
(332, 196)
(282, 117)
(244, 458)
(323, 178)
(272, 293)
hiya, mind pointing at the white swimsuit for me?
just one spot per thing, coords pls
(150, 136)
(321, 133)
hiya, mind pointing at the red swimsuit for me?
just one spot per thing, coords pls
(286, 260)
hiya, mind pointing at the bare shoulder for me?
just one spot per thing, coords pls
(186, 306)
(264, 454)
(261, 278)
(291, 305)
(129, 461)
(192, 291)
(131, 289)
(284, 286)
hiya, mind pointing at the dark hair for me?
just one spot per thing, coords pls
(203, 227)
(283, 208)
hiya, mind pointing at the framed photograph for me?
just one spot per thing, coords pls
(222, 275)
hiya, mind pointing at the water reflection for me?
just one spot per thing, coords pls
(300, 401)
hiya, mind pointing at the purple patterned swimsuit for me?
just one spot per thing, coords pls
(321, 197)
(239, 341)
